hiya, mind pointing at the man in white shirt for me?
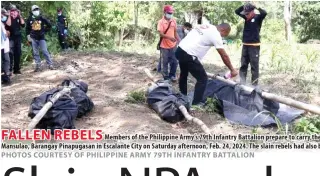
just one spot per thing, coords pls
(5, 49)
(191, 51)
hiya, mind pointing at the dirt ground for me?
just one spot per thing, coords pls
(110, 77)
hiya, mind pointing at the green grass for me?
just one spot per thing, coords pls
(212, 105)
(136, 97)
(308, 125)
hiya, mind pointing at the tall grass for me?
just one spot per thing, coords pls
(300, 65)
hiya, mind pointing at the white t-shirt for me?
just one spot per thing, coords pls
(200, 39)
(5, 44)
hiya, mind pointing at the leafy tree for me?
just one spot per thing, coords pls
(101, 24)
(307, 20)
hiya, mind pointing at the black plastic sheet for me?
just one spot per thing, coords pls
(249, 109)
(79, 95)
(65, 110)
(164, 100)
(60, 116)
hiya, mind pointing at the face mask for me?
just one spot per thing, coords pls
(186, 31)
(4, 18)
(36, 13)
(169, 16)
(59, 14)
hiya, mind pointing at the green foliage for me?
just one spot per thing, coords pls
(215, 11)
(99, 23)
(212, 105)
(284, 58)
(308, 125)
(281, 61)
(26, 55)
(306, 20)
(103, 24)
(47, 8)
(272, 31)
(53, 43)
(79, 17)
(136, 97)
(221, 11)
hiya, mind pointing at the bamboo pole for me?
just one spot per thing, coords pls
(195, 120)
(183, 109)
(288, 101)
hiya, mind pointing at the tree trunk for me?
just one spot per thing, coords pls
(191, 17)
(117, 36)
(121, 37)
(136, 16)
(287, 19)
(200, 15)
